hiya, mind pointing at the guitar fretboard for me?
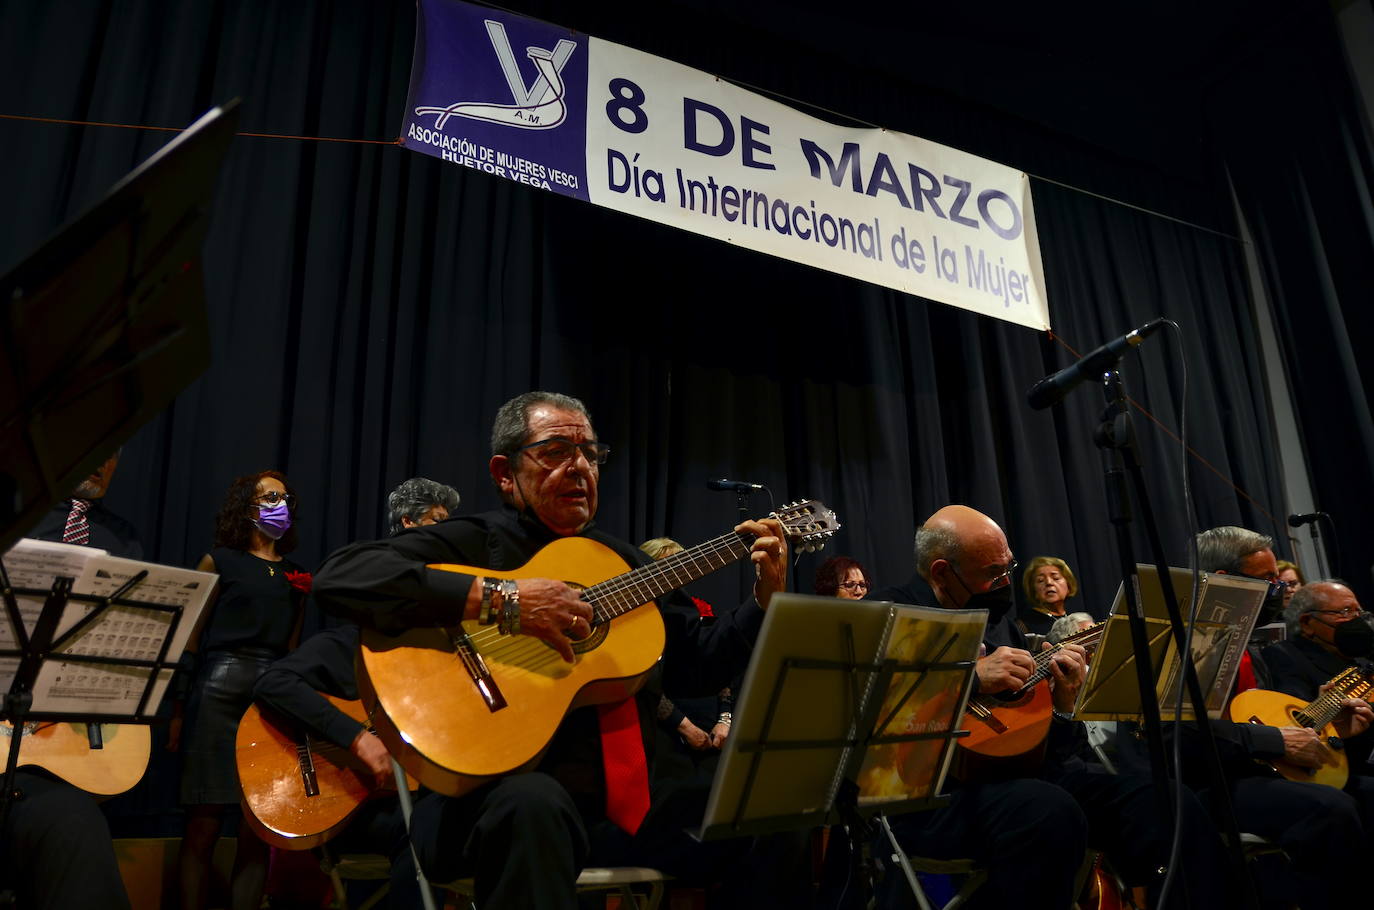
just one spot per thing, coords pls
(1088, 638)
(1353, 683)
(617, 596)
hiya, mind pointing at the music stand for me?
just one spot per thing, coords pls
(1228, 606)
(105, 323)
(849, 710)
(66, 652)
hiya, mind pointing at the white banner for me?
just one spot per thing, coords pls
(623, 129)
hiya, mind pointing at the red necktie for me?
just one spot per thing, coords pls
(622, 756)
(78, 527)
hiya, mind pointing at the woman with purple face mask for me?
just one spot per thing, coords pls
(254, 620)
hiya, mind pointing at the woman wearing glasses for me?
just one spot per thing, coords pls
(842, 577)
(254, 620)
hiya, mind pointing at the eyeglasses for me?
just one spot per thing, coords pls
(854, 585)
(1003, 573)
(272, 497)
(558, 451)
(1343, 613)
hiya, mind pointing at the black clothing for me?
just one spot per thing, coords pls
(249, 626)
(256, 606)
(1300, 667)
(59, 854)
(109, 532)
(1036, 622)
(222, 692)
(323, 663)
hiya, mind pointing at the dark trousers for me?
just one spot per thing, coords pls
(1032, 836)
(523, 841)
(1319, 828)
(58, 853)
(519, 837)
(1133, 825)
(379, 827)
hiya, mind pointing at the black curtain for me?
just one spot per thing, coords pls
(371, 307)
(1298, 151)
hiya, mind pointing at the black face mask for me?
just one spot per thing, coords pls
(1354, 638)
(1271, 610)
(996, 601)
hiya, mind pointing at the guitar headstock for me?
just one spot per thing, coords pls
(808, 524)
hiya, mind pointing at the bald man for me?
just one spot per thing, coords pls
(1033, 831)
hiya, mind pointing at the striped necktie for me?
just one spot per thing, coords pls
(78, 528)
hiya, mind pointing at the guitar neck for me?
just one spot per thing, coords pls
(1353, 683)
(1088, 638)
(617, 596)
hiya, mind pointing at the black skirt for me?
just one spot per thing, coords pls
(222, 691)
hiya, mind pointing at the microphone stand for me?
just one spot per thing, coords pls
(1323, 570)
(1115, 436)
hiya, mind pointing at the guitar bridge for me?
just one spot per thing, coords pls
(478, 671)
(307, 761)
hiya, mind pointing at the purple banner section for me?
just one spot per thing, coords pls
(499, 93)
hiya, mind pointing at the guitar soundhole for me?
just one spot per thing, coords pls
(594, 640)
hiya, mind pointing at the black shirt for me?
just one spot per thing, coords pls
(324, 663)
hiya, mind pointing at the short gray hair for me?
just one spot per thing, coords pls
(416, 496)
(1224, 549)
(936, 542)
(1067, 625)
(512, 423)
(1307, 599)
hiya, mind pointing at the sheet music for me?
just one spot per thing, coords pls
(122, 633)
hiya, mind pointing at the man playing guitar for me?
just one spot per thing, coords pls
(524, 836)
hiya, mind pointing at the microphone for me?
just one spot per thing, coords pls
(1297, 521)
(1052, 388)
(733, 486)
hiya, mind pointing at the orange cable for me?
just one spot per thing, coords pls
(1191, 451)
(174, 129)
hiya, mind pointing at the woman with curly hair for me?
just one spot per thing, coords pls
(842, 577)
(255, 620)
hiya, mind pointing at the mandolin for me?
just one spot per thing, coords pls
(464, 704)
(1275, 709)
(103, 759)
(299, 790)
(1008, 731)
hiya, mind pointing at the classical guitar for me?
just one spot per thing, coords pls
(1006, 731)
(465, 704)
(299, 790)
(1274, 709)
(103, 759)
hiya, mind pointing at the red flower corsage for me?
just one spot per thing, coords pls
(703, 608)
(301, 581)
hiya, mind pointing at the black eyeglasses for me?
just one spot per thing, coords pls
(558, 451)
(854, 585)
(272, 497)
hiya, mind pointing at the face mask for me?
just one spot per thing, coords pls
(1271, 610)
(274, 520)
(995, 601)
(1354, 638)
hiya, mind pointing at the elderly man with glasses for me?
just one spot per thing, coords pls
(1031, 830)
(524, 836)
(1322, 830)
(1328, 634)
